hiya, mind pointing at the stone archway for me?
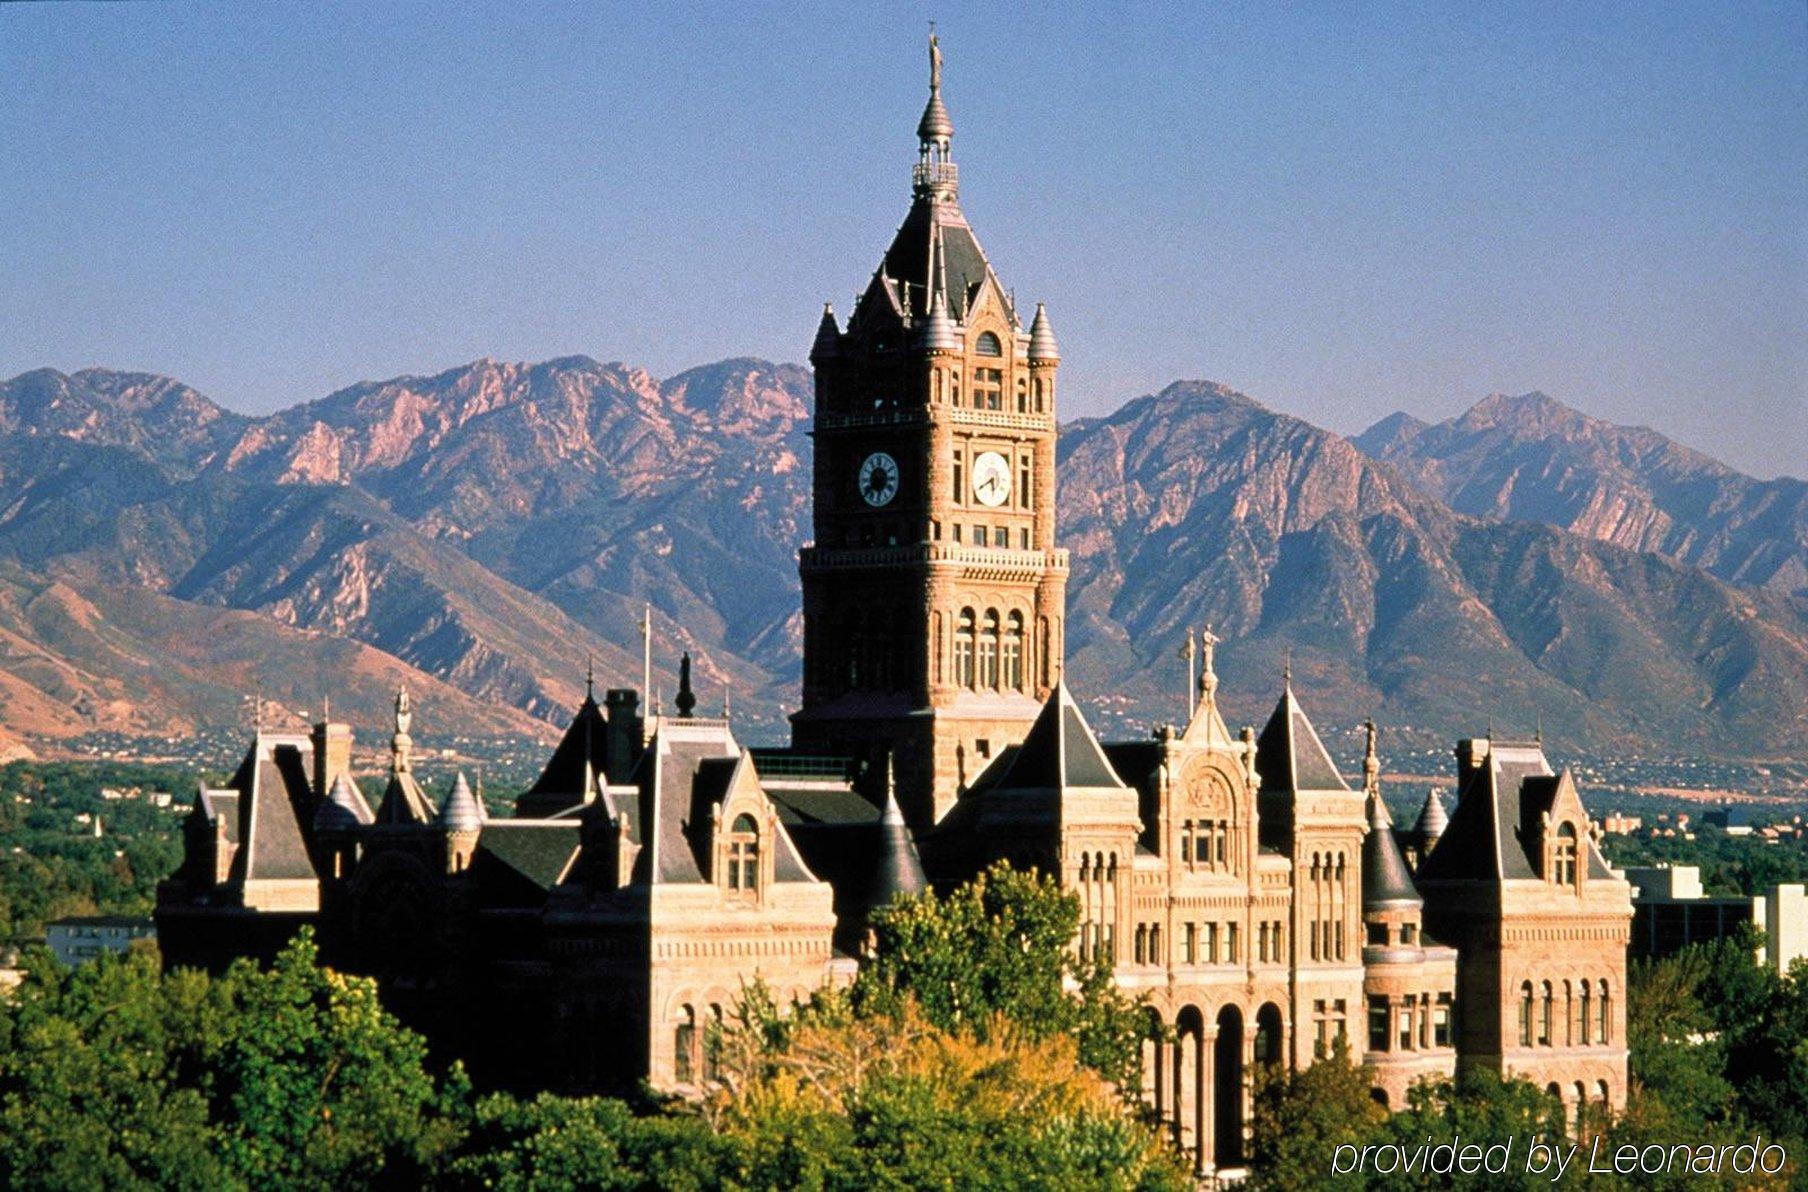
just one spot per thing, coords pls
(1270, 1043)
(1227, 1090)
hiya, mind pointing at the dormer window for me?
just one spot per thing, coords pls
(744, 854)
(1563, 856)
(988, 345)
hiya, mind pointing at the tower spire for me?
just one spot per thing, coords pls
(935, 177)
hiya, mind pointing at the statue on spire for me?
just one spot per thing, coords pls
(935, 60)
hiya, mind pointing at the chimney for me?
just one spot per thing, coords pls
(621, 750)
(332, 755)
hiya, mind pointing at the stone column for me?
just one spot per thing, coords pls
(1205, 1104)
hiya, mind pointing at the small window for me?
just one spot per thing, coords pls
(1378, 1032)
(743, 854)
(988, 345)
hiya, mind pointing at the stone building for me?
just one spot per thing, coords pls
(1234, 880)
(1541, 924)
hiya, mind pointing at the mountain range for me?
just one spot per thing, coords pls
(487, 533)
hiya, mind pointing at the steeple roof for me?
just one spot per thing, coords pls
(343, 808)
(1433, 819)
(1386, 881)
(579, 757)
(1289, 755)
(460, 812)
(1060, 751)
(1042, 337)
(828, 335)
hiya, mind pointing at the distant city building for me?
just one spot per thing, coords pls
(1734, 821)
(1671, 911)
(80, 938)
(1263, 907)
(1616, 823)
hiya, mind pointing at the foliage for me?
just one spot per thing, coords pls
(998, 949)
(834, 1098)
(1300, 1118)
(115, 1075)
(53, 865)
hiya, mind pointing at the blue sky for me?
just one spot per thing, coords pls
(1340, 209)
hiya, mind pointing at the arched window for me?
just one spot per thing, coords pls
(1525, 1014)
(1013, 652)
(988, 345)
(712, 1044)
(1155, 944)
(684, 1046)
(988, 652)
(1587, 1026)
(1141, 944)
(1023, 401)
(743, 853)
(1602, 1021)
(1544, 1021)
(963, 650)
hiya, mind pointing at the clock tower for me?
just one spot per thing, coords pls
(933, 591)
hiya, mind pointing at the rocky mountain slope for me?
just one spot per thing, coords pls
(490, 528)
(1532, 458)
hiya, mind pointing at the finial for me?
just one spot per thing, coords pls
(1371, 765)
(935, 60)
(400, 744)
(589, 676)
(1208, 672)
(686, 702)
(1287, 668)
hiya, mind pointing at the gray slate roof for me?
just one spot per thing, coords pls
(1289, 755)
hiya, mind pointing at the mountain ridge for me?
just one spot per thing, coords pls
(493, 524)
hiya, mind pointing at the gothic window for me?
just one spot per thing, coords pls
(1566, 855)
(988, 652)
(1544, 1020)
(744, 854)
(988, 345)
(963, 649)
(1525, 1014)
(684, 1046)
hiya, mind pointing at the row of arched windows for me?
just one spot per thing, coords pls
(1583, 1101)
(692, 1056)
(1098, 906)
(988, 650)
(1585, 1007)
(1327, 893)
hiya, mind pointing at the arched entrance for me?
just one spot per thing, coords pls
(1227, 1090)
(1188, 1076)
(1270, 1045)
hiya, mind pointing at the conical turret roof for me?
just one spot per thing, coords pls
(1386, 881)
(343, 808)
(828, 335)
(1433, 819)
(460, 812)
(1042, 337)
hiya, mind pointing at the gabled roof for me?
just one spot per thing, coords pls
(579, 758)
(1498, 810)
(542, 851)
(1289, 755)
(1386, 881)
(1060, 751)
(404, 802)
(276, 801)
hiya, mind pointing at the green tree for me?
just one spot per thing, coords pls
(1000, 948)
(552, 1143)
(100, 1085)
(318, 1084)
(1299, 1119)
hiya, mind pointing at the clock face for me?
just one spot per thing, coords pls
(879, 479)
(991, 479)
